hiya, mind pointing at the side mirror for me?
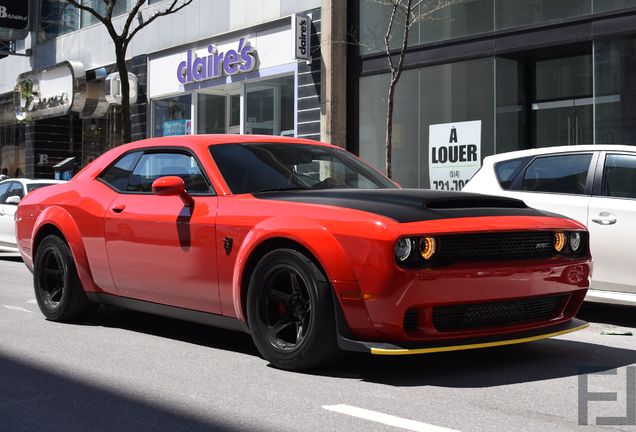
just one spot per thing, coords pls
(13, 199)
(171, 186)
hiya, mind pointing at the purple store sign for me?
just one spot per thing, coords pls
(217, 64)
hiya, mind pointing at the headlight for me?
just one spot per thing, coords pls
(428, 246)
(559, 241)
(403, 248)
(575, 241)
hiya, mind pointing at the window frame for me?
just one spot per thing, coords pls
(589, 181)
(150, 150)
(599, 175)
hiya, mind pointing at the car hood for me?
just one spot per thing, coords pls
(409, 205)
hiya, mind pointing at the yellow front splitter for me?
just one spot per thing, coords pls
(469, 346)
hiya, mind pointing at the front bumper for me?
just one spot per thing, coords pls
(379, 348)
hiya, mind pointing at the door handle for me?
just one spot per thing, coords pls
(1, 212)
(119, 208)
(605, 218)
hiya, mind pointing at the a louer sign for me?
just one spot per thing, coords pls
(14, 19)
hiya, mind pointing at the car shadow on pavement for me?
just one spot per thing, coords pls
(10, 257)
(619, 315)
(35, 398)
(490, 367)
(184, 331)
(535, 361)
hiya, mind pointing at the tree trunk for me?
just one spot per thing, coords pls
(122, 68)
(389, 128)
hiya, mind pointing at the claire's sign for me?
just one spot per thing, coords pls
(454, 155)
(302, 37)
(215, 64)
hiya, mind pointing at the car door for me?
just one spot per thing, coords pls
(160, 250)
(7, 213)
(7, 225)
(560, 183)
(612, 222)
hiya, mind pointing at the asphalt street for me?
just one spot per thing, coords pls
(128, 371)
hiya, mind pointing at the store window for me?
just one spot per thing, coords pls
(172, 116)
(101, 134)
(609, 5)
(425, 97)
(615, 91)
(57, 18)
(465, 18)
(269, 107)
(510, 14)
(121, 7)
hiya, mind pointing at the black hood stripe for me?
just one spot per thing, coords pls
(409, 205)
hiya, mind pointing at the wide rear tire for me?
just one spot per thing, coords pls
(58, 290)
(290, 311)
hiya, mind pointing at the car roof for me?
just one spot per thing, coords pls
(32, 181)
(206, 140)
(559, 149)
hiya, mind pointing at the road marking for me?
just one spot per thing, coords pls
(32, 301)
(17, 308)
(386, 419)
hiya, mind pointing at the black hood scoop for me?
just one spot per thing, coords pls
(409, 205)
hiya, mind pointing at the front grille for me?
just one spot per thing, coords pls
(503, 245)
(471, 316)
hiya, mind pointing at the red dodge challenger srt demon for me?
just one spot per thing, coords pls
(302, 245)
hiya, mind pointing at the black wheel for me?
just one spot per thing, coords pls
(290, 311)
(58, 290)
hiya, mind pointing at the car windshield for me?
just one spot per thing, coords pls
(266, 167)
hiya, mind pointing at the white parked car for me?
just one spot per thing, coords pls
(594, 184)
(12, 190)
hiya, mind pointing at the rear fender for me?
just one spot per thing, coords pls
(62, 220)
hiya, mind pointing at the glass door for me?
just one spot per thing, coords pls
(564, 122)
(562, 110)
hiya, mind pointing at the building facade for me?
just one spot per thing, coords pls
(501, 75)
(227, 66)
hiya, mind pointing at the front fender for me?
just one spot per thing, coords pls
(304, 231)
(62, 220)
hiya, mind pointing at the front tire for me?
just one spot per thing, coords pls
(290, 311)
(58, 290)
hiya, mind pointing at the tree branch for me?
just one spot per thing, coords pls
(387, 36)
(170, 10)
(104, 20)
(131, 16)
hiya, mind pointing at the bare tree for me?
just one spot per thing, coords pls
(404, 14)
(121, 40)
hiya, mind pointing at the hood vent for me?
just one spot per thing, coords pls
(486, 202)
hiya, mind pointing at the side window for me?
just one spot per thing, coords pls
(619, 178)
(151, 166)
(558, 174)
(117, 175)
(506, 171)
(16, 189)
(4, 188)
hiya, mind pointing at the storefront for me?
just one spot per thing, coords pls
(246, 82)
(500, 75)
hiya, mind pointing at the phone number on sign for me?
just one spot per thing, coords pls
(451, 185)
